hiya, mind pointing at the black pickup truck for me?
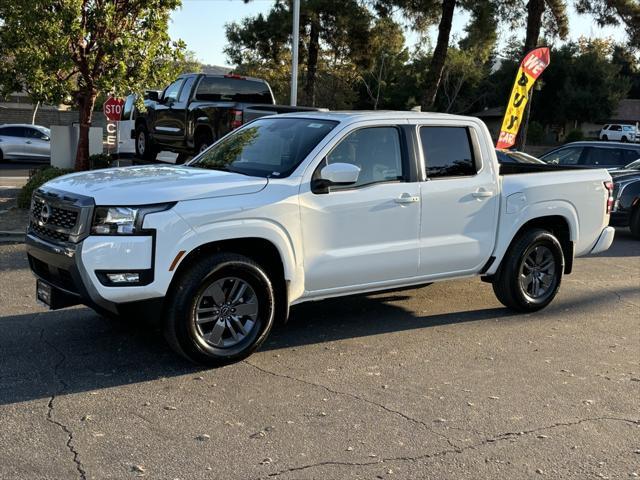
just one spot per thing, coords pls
(197, 109)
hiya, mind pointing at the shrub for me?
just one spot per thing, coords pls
(99, 160)
(574, 136)
(36, 180)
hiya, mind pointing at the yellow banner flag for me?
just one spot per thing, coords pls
(530, 69)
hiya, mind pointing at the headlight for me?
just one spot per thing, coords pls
(114, 221)
(123, 220)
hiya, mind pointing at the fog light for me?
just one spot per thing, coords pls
(123, 277)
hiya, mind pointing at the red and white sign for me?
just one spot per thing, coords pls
(113, 108)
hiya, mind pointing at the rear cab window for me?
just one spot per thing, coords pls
(448, 152)
(232, 89)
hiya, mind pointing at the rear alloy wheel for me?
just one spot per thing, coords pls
(203, 140)
(222, 311)
(144, 145)
(1, 156)
(531, 273)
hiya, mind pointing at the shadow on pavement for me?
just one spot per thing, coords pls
(76, 350)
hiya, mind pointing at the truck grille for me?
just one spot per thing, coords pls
(58, 218)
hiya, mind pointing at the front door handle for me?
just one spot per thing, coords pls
(28, 142)
(482, 193)
(407, 198)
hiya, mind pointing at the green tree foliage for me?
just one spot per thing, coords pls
(73, 50)
(581, 84)
(336, 41)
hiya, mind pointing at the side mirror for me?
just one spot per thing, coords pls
(46, 139)
(153, 96)
(335, 174)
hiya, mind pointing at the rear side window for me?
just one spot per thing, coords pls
(616, 128)
(217, 89)
(605, 157)
(186, 89)
(13, 131)
(447, 152)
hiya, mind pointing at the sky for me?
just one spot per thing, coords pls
(200, 23)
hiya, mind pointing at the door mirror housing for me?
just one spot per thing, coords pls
(153, 96)
(340, 174)
(335, 174)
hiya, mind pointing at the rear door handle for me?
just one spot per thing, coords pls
(28, 142)
(482, 193)
(407, 198)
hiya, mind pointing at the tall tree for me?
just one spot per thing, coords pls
(335, 32)
(615, 12)
(72, 50)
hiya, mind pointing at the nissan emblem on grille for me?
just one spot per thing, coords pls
(45, 213)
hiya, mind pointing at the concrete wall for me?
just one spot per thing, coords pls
(46, 116)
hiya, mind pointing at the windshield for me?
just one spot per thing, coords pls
(633, 165)
(269, 147)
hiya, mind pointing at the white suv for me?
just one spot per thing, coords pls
(620, 133)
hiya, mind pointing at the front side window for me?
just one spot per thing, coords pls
(268, 147)
(564, 156)
(171, 92)
(375, 150)
(35, 133)
(447, 152)
(616, 128)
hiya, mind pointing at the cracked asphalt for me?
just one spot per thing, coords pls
(439, 382)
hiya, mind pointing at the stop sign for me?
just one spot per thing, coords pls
(113, 108)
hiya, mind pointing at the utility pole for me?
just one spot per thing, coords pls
(294, 52)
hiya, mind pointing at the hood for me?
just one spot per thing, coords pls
(149, 184)
(624, 175)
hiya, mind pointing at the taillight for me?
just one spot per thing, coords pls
(236, 121)
(609, 187)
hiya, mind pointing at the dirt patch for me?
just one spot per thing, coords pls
(12, 218)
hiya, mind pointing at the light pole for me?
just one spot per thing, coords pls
(294, 52)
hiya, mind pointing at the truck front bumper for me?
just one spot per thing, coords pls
(77, 272)
(59, 267)
(604, 241)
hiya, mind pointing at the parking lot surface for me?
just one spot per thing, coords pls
(440, 382)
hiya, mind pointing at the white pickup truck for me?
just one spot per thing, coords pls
(305, 207)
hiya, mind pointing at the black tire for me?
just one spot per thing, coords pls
(1, 156)
(634, 223)
(202, 142)
(508, 285)
(145, 148)
(605, 138)
(624, 139)
(183, 332)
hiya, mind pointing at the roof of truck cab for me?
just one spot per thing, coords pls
(348, 116)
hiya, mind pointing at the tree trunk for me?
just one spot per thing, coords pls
(35, 111)
(312, 61)
(535, 10)
(86, 102)
(436, 67)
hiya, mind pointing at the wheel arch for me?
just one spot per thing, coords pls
(562, 225)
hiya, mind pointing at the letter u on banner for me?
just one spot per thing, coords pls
(530, 69)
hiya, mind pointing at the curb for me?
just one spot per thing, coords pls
(12, 237)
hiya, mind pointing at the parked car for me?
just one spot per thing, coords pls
(619, 133)
(295, 208)
(626, 196)
(513, 156)
(198, 109)
(593, 154)
(24, 142)
(127, 124)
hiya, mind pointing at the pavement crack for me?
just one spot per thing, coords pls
(51, 407)
(359, 398)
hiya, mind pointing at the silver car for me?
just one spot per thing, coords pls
(24, 142)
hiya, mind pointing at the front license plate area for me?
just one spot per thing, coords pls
(53, 298)
(44, 293)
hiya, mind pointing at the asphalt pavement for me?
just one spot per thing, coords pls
(440, 382)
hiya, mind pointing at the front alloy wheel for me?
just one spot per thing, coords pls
(226, 312)
(221, 309)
